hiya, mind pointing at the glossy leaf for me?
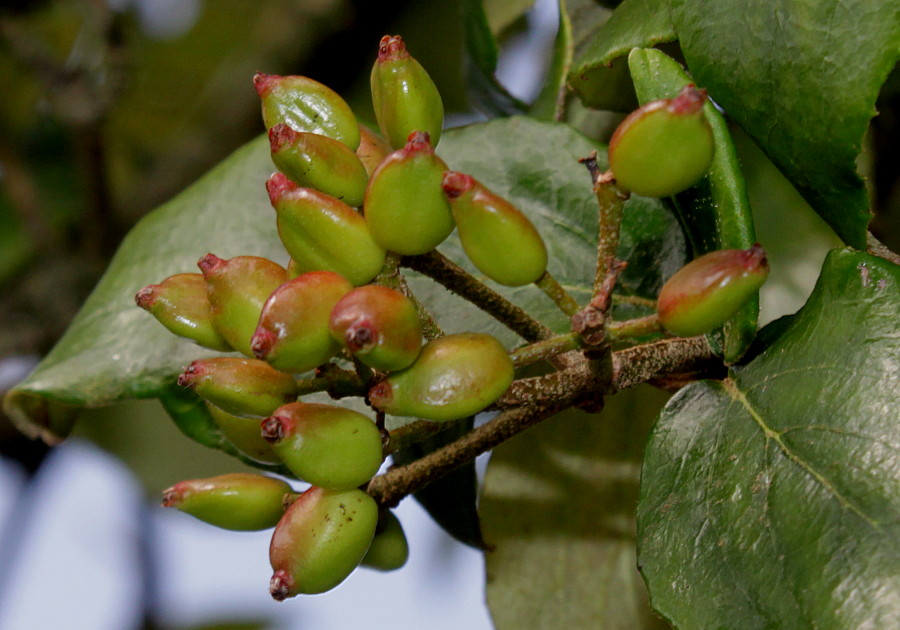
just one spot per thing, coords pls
(115, 351)
(715, 213)
(558, 510)
(801, 77)
(772, 498)
(600, 73)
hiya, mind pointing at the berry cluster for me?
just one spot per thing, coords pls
(349, 204)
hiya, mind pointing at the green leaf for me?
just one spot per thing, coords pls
(772, 499)
(450, 500)
(600, 73)
(481, 46)
(715, 212)
(554, 192)
(801, 77)
(502, 13)
(558, 507)
(548, 103)
(115, 351)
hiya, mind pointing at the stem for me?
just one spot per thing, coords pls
(549, 285)
(610, 201)
(634, 300)
(338, 382)
(456, 279)
(546, 396)
(414, 432)
(391, 277)
(633, 327)
(545, 349)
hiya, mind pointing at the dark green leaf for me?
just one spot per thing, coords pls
(558, 507)
(715, 213)
(801, 77)
(600, 73)
(485, 90)
(772, 499)
(450, 500)
(115, 351)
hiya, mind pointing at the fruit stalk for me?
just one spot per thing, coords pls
(610, 201)
(555, 291)
(545, 349)
(451, 276)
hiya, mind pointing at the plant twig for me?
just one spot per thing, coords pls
(555, 291)
(633, 327)
(391, 277)
(546, 349)
(456, 279)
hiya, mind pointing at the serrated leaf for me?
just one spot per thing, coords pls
(772, 499)
(801, 77)
(600, 73)
(558, 508)
(715, 212)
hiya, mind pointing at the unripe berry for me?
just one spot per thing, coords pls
(707, 291)
(379, 326)
(238, 501)
(321, 538)
(455, 376)
(306, 105)
(237, 289)
(292, 334)
(319, 162)
(495, 235)
(405, 207)
(245, 387)
(403, 95)
(372, 149)
(243, 433)
(663, 147)
(322, 233)
(389, 550)
(180, 303)
(328, 446)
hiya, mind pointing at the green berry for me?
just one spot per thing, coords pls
(322, 233)
(292, 333)
(321, 538)
(403, 95)
(379, 326)
(237, 289)
(244, 387)
(663, 147)
(180, 303)
(244, 435)
(238, 501)
(495, 235)
(389, 550)
(707, 291)
(405, 207)
(306, 105)
(455, 376)
(328, 446)
(319, 162)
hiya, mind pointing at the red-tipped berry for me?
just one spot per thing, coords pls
(495, 235)
(245, 387)
(321, 538)
(243, 433)
(237, 289)
(319, 162)
(322, 233)
(664, 147)
(389, 550)
(292, 334)
(405, 207)
(180, 303)
(403, 95)
(238, 501)
(379, 326)
(306, 105)
(454, 377)
(707, 291)
(328, 446)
